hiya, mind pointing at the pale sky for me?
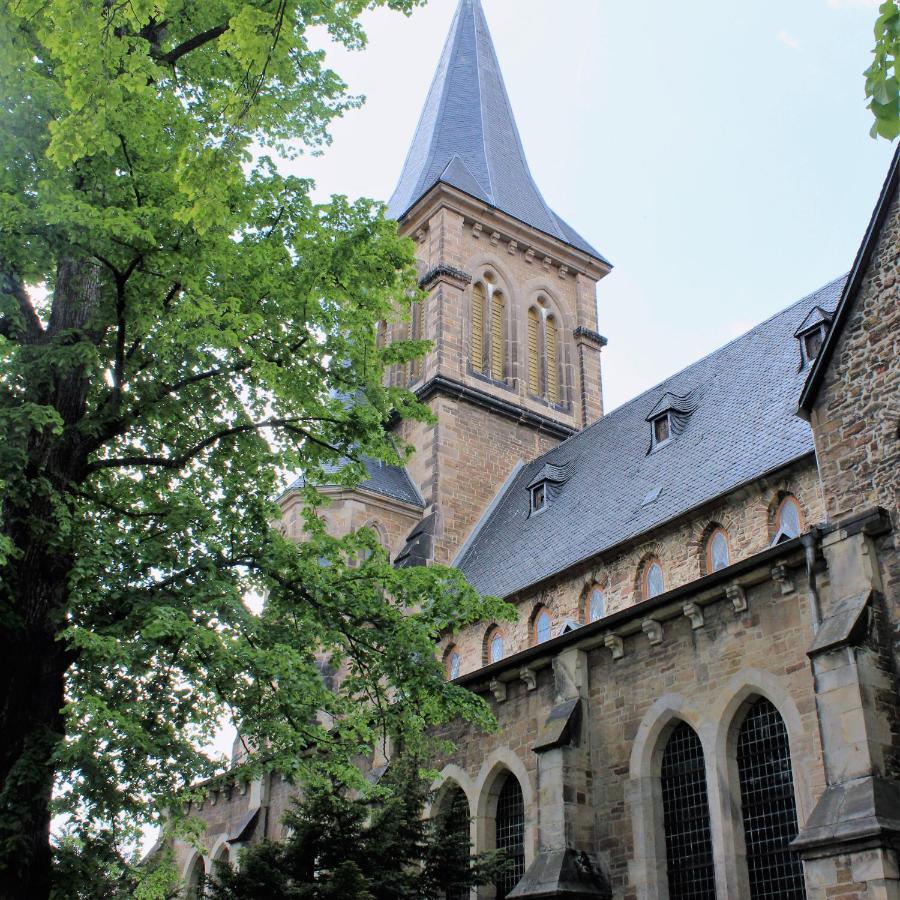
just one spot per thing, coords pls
(717, 153)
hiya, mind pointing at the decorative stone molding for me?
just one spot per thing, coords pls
(694, 613)
(495, 238)
(498, 689)
(513, 246)
(738, 597)
(614, 643)
(547, 262)
(590, 336)
(781, 575)
(476, 230)
(563, 271)
(654, 631)
(420, 235)
(529, 676)
(446, 273)
(529, 255)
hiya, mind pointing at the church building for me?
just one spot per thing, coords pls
(699, 698)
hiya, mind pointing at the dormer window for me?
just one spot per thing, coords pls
(812, 343)
(811, 334)
(662, 429)
(539, 497)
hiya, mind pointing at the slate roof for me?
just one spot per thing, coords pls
(389, 481)
(467, 136)
(743, 426)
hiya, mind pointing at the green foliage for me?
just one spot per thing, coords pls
(205, 327)
(376, 847)
(883, 76)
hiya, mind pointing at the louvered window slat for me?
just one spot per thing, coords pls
(552, 362)
(477, 350)
(497, 302)
(534, 378)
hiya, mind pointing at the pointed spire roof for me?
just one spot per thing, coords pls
(467, 136)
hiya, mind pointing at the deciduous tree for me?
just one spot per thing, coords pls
(203, 328)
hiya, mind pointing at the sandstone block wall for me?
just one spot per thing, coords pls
(747, 516)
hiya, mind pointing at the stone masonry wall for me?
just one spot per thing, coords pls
(706, 676)
(747, 517)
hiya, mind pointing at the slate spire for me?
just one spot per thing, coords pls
(467, 135)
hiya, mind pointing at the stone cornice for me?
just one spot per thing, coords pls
(441, 273)
(440, 384)
(590, 336)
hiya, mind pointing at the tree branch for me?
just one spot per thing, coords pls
(180, 461)
(198, 40)
(11, 285)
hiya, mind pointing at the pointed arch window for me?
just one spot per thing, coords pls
(552, 357)
(596, 605)
(543, 626)
(653, 581)
(767, 804)
(488, 349)
(498, 307)
(718, 556)
(544, 352)
(510, 833)
(456, 828)
(477, 346)
(534, 360)
(689, 857)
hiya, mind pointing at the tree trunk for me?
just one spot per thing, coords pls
(34, 596)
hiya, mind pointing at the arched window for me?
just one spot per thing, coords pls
(768, 806)
(788, 519)
(718, 555)
(510, 833)
(689, 859)
(455, 828)
(477, 347)
(498, 304)
(196, 880)
(542, 626)
(534, 356)
(452, 662)
(653, 581)
(596, 605)
(552, 358)
(493, 646)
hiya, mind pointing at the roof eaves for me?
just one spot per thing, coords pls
(860, 264)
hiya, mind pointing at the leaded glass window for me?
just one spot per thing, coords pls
(496, 648)
(689, 859)
(768, 806)
(510, 826)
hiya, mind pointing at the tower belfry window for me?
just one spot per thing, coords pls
(477, 346)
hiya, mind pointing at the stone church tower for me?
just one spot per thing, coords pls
(511, 304)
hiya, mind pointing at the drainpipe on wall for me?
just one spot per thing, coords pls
(810, 541)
